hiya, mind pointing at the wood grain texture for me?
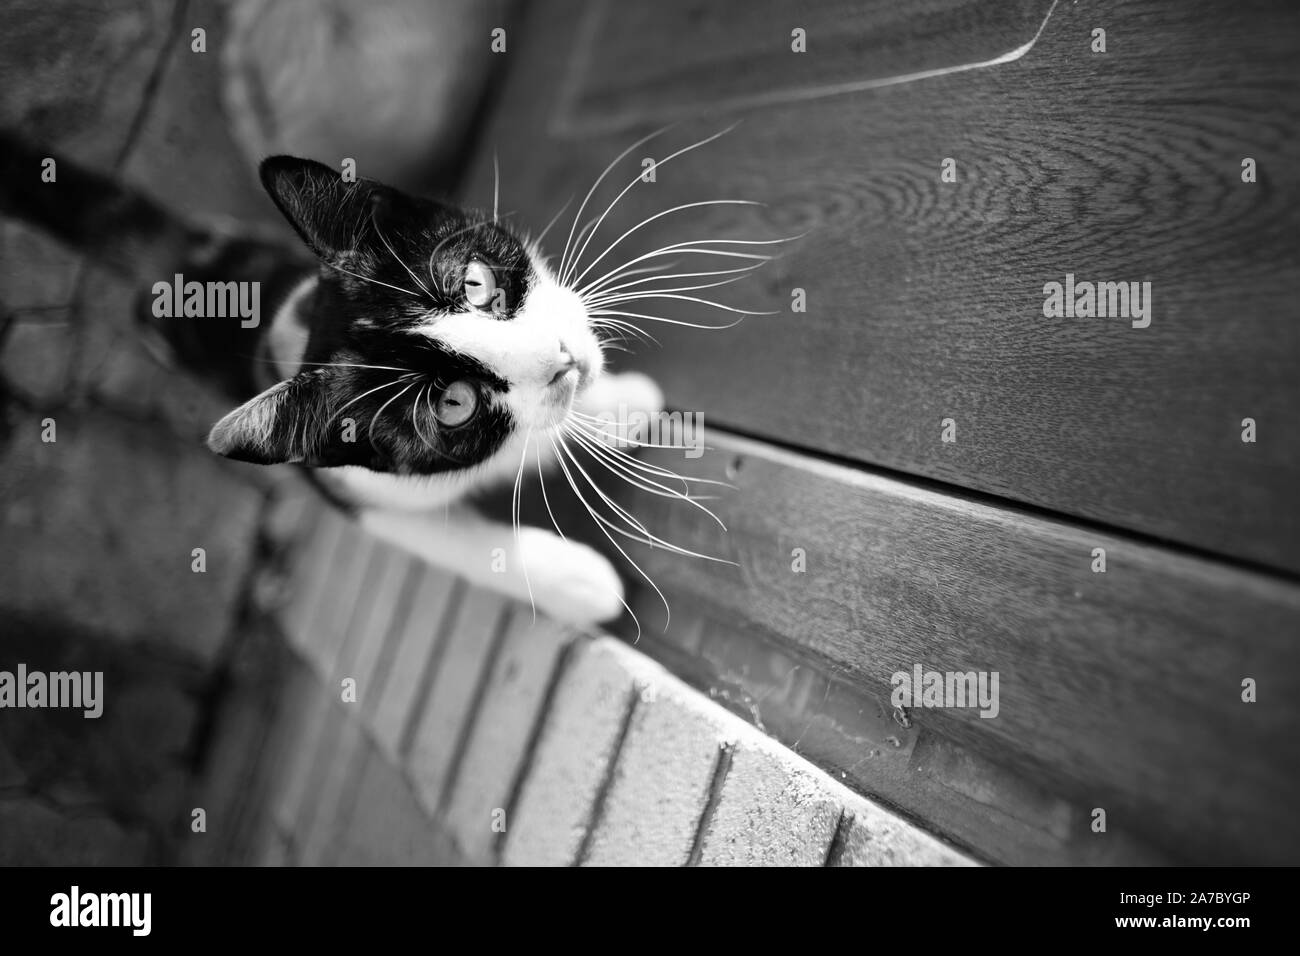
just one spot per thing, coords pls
(994, 812)
(1119, 690)
(721, 58)
(925, 299)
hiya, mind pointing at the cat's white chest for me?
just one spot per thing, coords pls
(404, 493)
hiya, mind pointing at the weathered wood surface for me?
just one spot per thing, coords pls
(665, 61)
(924, 298)
(1120, 690)
(995, 812)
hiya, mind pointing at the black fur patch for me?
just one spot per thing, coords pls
(390, 263)
(366, 236)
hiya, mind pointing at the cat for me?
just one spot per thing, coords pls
(427, 353)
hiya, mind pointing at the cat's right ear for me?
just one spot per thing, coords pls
(330, 213)
(286, 423)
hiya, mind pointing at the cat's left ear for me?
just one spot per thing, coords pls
(287, 423)
(334, 215)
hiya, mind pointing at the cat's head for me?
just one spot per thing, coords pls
(439, 337)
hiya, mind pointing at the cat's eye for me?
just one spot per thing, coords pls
(457, 404)
(480, 285)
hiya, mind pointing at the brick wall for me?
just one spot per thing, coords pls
(478, 735)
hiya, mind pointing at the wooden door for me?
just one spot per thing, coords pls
(946, 441)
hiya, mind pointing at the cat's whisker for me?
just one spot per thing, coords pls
(611, 342)
(655, 471)
(636, 179)
(614, 340)
(592, 291)
(598, 433)
(589, 225)
(661, 491)
(516, 507)
(541, 480)
(747, 242)
(660, 318)
(686, 245)
(371, 430)
(659, 215)
(496, 189)
(592, 422)
(553, 220)
(627, 518)
(625, 474)
(415, 425)
(386, 368)
(358, 398)
(687, 248)
(686, 494)
(564, 256)
(646, 537)
(372, 281)
(639, 296)
(415, 421)
(614, 467)
(428, 403)
(601, 522)
(613, 295)
(632, 336)
(393, 252)
(725, 253)
(627, 327)
(617, 324)
(640, 270)
(632, 521)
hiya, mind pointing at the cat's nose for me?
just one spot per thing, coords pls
(563, 362)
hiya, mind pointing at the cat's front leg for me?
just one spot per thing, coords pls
(568, 581)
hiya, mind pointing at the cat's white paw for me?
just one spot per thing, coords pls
(571, 582)
(622, 394)
(639, 393)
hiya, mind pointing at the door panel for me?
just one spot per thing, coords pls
(925, 299)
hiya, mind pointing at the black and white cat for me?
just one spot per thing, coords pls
(429, 352)
(425, 360)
